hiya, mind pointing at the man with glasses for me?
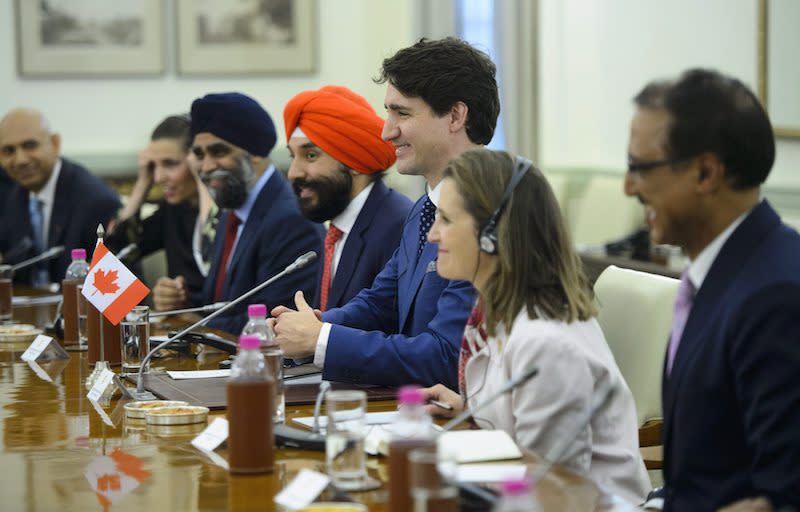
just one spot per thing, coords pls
(700, 148)
(261, 229)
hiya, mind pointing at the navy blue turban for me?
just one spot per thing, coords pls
(237, 119)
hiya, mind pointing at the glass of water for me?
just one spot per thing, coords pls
(345, 458)
(135, 336)
(83, 325)
(6, 291)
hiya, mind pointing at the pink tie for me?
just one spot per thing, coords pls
(683, 305)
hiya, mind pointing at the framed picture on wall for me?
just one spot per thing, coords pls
(89, 38)
(246, 36)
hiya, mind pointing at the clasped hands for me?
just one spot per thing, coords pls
(297, 330)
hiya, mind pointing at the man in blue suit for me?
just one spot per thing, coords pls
(261, 229)
(700, 148)
(441, 100)
(338, 164)
(53, 201)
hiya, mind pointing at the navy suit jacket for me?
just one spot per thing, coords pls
(81, 202)
(274, 235)
(370, 243)
(732, 401)
(406, 328)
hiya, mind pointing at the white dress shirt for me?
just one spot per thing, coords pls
(699, 267)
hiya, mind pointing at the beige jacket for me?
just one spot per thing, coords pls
(573, 359)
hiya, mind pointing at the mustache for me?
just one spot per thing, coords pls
(301, 183)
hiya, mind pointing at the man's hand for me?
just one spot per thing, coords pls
(442, 393)
(169, 294)
(297, 331)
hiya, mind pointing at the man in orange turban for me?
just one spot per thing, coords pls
(338, 162)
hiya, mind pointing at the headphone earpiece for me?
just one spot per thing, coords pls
(488, 235)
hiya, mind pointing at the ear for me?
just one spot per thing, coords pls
(458, 116)
(55, 140)
(711, 172)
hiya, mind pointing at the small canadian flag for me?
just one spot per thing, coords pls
(110, 286)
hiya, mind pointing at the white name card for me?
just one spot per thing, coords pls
(104, 380)
(304, 489)
(213, 435)
(36, 347)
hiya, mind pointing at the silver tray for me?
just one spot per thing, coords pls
(137, 410)
(192, 430)
(162, 416)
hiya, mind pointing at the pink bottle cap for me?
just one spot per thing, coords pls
(257, 310)
(515, 487)
(410, 395)
(249, 342)
(78, 254)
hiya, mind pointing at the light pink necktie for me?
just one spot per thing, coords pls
(683, 305)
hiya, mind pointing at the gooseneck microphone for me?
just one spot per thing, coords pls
(208, 308)
(18, 251)
(126, 251)
(300, 262)
(46, 255)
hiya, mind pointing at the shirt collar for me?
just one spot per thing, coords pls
(434, 194)
(48, 193)
(345, 220)
(244, 211)
(700, 266)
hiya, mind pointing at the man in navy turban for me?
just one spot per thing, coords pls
(261, 229)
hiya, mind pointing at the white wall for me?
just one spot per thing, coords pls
(117, 115)
(595, 55)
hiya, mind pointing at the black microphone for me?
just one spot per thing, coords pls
(126, 251)
(300, 262)
(290, 437)
(208, 308)
(19, 250)
(46, 255)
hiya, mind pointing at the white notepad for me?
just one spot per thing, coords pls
(478, 445)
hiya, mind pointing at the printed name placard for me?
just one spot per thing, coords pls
(213, 435)
(104, 380)
(42, 344)
(304, 489)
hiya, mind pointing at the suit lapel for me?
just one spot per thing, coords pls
(216, 255)
(60, 212)
(354, 245)
(410, 275)
(729, 262)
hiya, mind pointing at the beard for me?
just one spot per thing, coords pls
(332, 195)
(235, 184)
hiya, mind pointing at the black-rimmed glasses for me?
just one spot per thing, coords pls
(647, 166)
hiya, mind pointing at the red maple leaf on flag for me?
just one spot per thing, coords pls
(106, 282)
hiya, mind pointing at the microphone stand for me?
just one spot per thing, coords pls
(302, 261)
(200, 309)
(46, 255)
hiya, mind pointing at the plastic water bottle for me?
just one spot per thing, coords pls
(517, 495)
(74, 305)
(250, 395)
(273, 355)
(412, 429)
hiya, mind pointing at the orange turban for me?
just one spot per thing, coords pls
(344, 125)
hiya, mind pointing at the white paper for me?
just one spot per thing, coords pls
(478, 445)
(301, 491)
(103, 415)
(490, 473)
(199, 374)
(103, 381)
(213, 435)
(372, 418)
(36, 347)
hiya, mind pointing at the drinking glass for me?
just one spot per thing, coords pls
(345, 458)
(135, 336)
(432, 479)
(83, 324)
(6, 278)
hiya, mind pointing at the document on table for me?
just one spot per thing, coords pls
(199, 374)
(478, 445)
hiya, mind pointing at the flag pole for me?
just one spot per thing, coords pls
(101, 363)
(100, 233)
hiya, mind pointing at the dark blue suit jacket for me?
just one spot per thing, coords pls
(274, 235)
(732, 401)
(406, 328)
(81, 202)
(370, 243)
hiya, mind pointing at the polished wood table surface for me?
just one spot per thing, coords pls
(56, 451)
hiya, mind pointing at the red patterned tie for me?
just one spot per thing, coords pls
(334, 235)
(477, 335)
(231, 227)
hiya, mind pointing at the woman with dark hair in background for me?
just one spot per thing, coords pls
(183, 224)
(499, 227)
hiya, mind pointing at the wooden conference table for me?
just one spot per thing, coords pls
(56, 451)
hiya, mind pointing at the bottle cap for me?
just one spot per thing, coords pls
(257, 310)
(410, 395)
(516, 486)
(78, 254)
(249, 342)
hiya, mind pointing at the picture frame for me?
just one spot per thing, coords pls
(94, 38)
(246, 37)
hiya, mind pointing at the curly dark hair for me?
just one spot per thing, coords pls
(443, 72)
